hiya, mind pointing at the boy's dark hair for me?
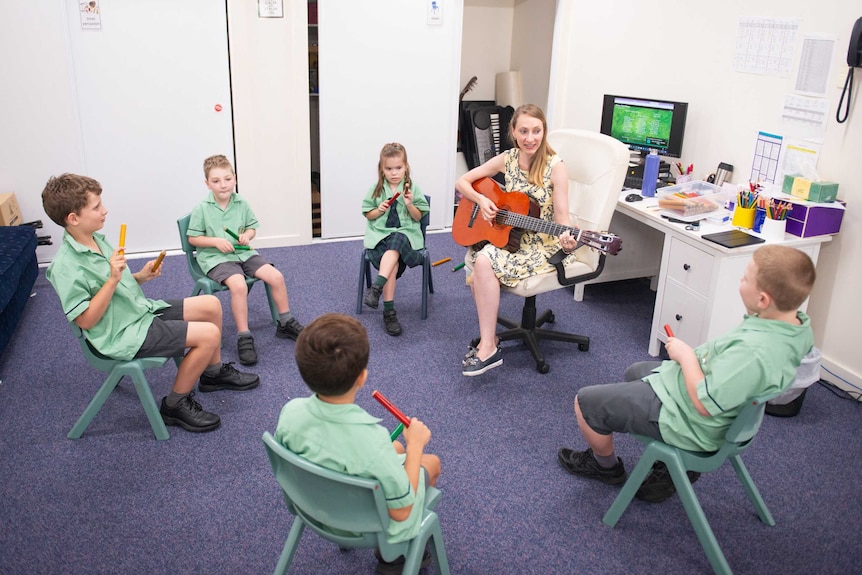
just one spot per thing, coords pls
(67, 193)
(786, 274)
(331, 353)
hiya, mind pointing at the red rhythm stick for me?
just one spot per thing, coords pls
(393, 198)
(668, 331)
(391, 408)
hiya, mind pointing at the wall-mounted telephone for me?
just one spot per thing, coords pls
(854, 60)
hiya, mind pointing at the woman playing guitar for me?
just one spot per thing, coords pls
(533, 168)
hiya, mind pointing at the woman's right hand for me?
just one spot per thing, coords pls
(489, 209)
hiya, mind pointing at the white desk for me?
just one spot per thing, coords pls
(696, 280)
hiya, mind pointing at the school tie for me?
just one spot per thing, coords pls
(392, 219)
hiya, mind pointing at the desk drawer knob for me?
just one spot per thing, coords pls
(678, 317)
(686, 267)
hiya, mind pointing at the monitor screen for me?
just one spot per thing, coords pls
(645, 125)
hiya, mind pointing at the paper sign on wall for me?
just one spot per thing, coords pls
(91, 19)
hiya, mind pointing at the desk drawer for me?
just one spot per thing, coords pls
(690, 266)
(684, 311)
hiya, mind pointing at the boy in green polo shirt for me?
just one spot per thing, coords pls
(329, 429)
(221, 227)
(691, 400)
(104, 298)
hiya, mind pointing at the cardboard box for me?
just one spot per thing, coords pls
(807, 219)
(808, 190)
(10, 213)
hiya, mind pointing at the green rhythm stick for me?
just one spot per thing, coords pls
(396, 432)
(241, 248)
(233, 235)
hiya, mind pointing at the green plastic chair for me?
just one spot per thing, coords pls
(329, 502)
(116, 370)
(737, 439)
(204, 284)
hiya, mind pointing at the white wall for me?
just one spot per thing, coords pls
(39, 133)
(673, 49)
(532, 37)
(486, 45)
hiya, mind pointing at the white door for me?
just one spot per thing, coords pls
(153, 97)
(388, 73)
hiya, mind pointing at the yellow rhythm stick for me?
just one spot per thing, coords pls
(443, 261)
(159, 261)
(122, 247)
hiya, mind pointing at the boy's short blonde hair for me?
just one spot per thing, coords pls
(786, 274)
(218, 161)
(66, 194)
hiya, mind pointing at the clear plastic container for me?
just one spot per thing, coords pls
(691, 198)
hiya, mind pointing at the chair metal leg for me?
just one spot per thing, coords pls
(287, 553)
(96, 404)
(426, 284)
(364, 278)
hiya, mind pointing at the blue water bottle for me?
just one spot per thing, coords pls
(650, 174)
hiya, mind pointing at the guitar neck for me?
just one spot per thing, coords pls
(516, 220)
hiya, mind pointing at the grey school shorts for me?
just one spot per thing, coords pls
(167, 334)
(628, 407)
(224, 270)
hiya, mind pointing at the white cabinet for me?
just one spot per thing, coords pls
(698, 291)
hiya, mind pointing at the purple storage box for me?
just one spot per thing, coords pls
(807, 219)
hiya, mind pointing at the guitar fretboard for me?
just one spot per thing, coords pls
(507, 218)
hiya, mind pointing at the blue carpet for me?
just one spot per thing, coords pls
(118, 501)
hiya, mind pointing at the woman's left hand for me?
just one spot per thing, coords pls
(568, 242)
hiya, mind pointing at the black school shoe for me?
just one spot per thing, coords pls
(584, 464)
(397, 567)
(245, 350)
(658, 485)
(228, 378)
(390, 323)
(189, 415)
(372, 296)
(289, 330)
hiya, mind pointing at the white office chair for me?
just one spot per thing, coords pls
(597, 167)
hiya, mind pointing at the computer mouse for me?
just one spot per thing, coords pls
(634, 198)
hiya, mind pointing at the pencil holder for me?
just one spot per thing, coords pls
(743, 217)
(773, 230)
(759, 216)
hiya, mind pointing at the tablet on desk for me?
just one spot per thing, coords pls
(733, 239)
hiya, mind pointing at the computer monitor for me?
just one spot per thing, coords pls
(645, 125)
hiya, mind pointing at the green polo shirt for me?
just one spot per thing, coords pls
(78, 273)
(376, 229)
(758, 357)
(209, 219)
(345, 438)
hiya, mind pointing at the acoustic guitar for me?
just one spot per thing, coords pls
(516, 212)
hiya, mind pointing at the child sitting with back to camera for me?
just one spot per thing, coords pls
(228, 260)
(329, 429)
(690, 400)
(392, 208)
